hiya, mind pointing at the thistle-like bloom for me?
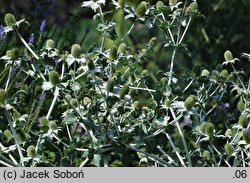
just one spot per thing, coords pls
(93, 4)
(42, 26)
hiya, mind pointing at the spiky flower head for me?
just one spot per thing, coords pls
(243, 121)
(202, 127)
(136, 105)
(192, 7)
(229, 133)
(145, 109)
(110, 85)
(228, 55)
(8, 134)
(141, 9)
(164, 81)
(54, 78)
(68, 97)
(121, 3)
(113, 53)
(159, 5)
(9, 19)
(52, 125)
(124, 90)
(172, 2)
(153, 42)
(3, 96)
(205, 73)
(44, 121)
(73, 102)
(122, 48)
(31, 151)
(229, 149)
(144, 73)
(206, 155)
(246, 136)
(224, 73)
(50, 43)
(86, 101)
(189, 102)
(209, 129)
(76, 50)
(241, 106)
(14, 53)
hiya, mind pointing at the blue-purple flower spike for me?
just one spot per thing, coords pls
(42, 26)
(32, 39)
(248, 130)
(2, 35)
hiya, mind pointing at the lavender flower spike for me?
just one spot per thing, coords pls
(42, 26)
(32, 39)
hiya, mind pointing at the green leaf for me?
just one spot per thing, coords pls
(71, 118)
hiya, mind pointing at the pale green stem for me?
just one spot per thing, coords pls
(129, 31)
(182, 138)
(9, 76)
(15, 137)
(175, 150)
(33, 53)
(171, 67)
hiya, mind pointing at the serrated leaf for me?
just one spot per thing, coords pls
(71, 118)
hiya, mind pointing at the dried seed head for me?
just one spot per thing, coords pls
(124, 90)
(76, 50)
(31, 151)
(243, 121)
(52, 125)
(50, 43)
(229, 149)
(9, 19)
(54, 78)
(228, 55)
(205, 73)
(141, 9)
(159, 5)
(3, 96)
(241, 106)
(189, 102)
